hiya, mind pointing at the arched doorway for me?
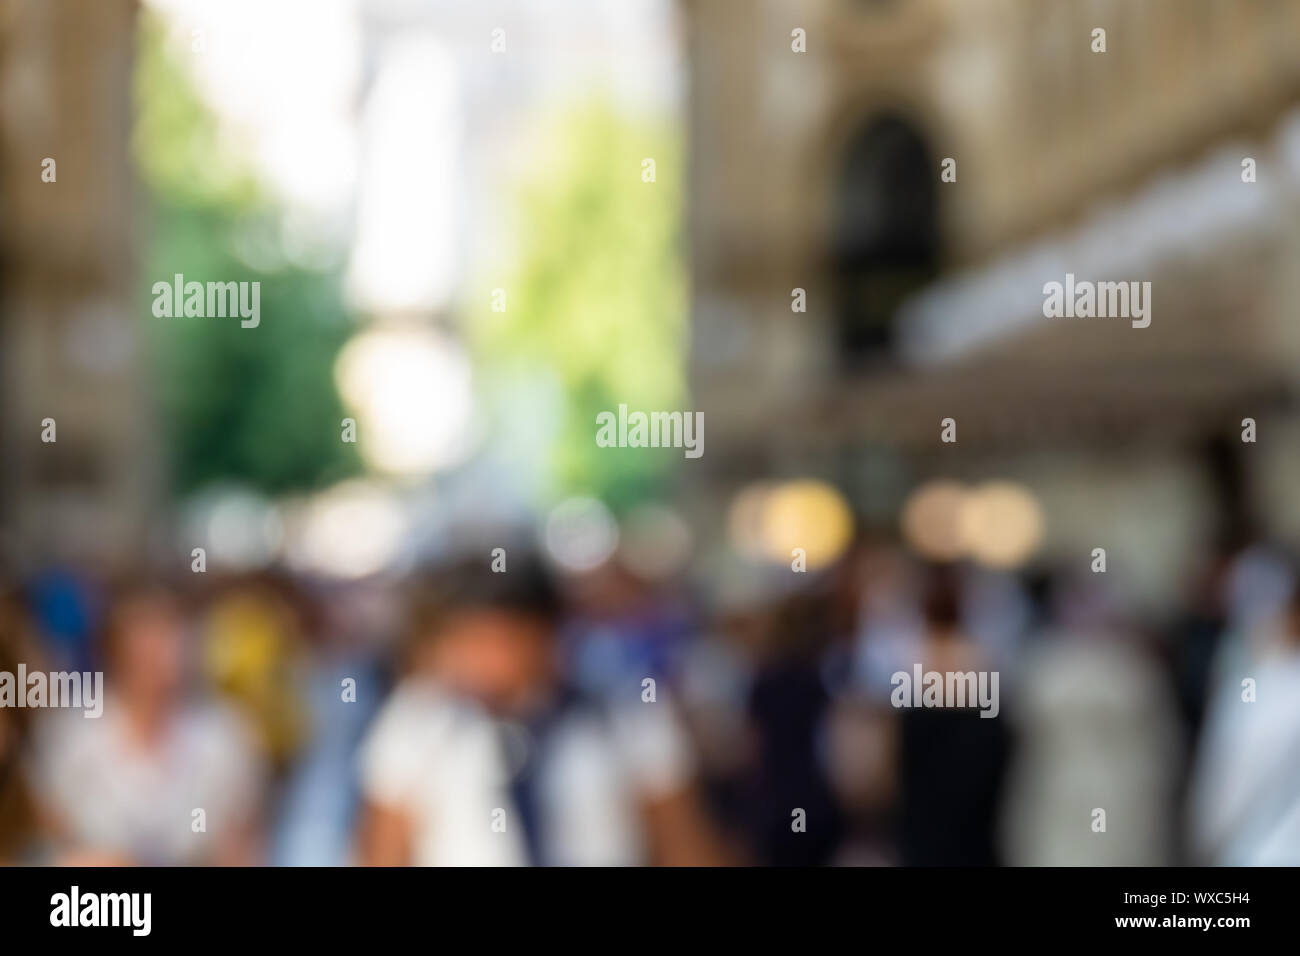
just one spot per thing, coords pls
(885, 243)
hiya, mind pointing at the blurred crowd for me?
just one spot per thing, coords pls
(465, 715)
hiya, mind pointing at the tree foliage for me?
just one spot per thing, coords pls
(598, 295)
(256, 406)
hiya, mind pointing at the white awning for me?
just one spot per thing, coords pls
(1182, 219)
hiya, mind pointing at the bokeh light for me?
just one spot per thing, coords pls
(655, 542)
(1001, 524)
(769, 521)
(998, 523)
(581, 534)
(411, 390)
(932, 520)
(350, 531)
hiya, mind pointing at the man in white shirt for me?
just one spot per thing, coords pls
(484, 756)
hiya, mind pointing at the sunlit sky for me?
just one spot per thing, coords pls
(395, 118)
(392, 126)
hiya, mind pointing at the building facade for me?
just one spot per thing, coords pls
(70, 336)
(919, 171)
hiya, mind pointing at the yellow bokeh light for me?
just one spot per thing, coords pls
(806, 514)
(932, 520)
(1001, 524)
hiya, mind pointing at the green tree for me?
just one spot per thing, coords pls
(256, 406)
(598, 297)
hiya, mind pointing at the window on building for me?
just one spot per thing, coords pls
(885, 244)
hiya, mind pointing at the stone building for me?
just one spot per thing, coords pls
(822, 171)
(70, 347)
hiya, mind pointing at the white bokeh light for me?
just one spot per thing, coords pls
(352, 530)
(411, 390)
(581, 534)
